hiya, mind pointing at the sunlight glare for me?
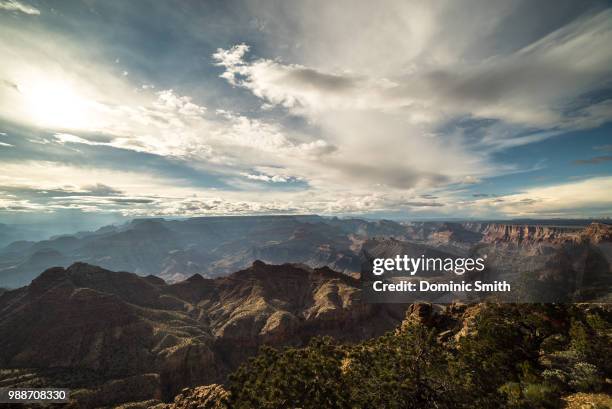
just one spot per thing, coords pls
(56, 104)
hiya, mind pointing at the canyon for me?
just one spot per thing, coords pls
(140, 311)
(216, 246)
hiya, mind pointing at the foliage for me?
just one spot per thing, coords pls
(403, 370)
(307, 378)
(514, 356)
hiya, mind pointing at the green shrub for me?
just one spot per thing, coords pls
(585, 377)
(514, 356)
(307, 378)
(540, 396)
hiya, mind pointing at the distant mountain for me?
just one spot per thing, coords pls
(114, 332)
(216, 246)
(210, 246)
(10, 233)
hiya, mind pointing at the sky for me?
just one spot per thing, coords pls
(402, 109)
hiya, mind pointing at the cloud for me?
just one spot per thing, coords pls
(62, 138)
(401, 107)
(100, 108)
(100, 189)
(293, 86)
(529, 87)
(34, 186)
(231, 57)
(270, 178)
(423, 204)
(593, 161)
(561, 200)
(400, 177)
(135, 195)
(87, 198)
(127, 200)
(9, 85)
(394, 127)
(14, 5)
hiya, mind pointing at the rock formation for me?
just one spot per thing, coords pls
(117, 330)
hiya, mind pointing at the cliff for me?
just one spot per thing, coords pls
(532, 234)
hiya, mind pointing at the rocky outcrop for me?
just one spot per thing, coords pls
(452, 321)
(597, 233)
(533, 234)
(529, 234)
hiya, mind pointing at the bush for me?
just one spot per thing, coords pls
(307, 378)
(540, 396)
(404, 370)
(585, 377)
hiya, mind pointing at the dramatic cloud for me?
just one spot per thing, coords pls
(323, 107)
(372, 118)
(529, 87)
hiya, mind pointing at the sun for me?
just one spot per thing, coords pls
(56, 104)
